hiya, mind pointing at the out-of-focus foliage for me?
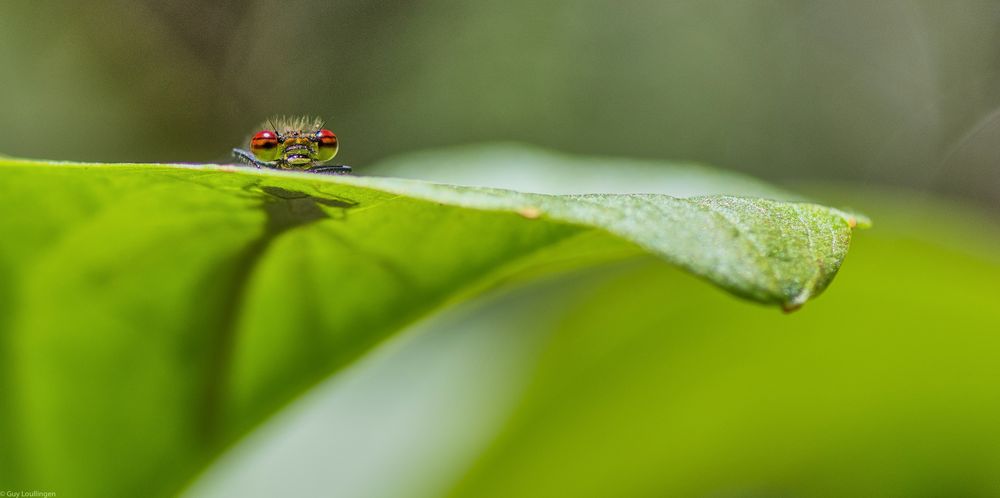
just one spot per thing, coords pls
(899, 92)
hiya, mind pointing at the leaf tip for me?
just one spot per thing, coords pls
(797, 301)
(791, 307)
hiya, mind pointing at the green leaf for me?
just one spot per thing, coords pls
(154, 314)
(635, 379)
(895, 398)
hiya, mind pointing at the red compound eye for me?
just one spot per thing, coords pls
(326, 144)
(264, 145)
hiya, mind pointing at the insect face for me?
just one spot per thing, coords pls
(297, 150)
(293, 143)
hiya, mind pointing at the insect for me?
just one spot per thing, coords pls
(301, 144)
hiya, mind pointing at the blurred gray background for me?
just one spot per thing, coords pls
(886, 92)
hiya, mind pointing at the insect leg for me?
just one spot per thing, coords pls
(248, 159)
(337, 169)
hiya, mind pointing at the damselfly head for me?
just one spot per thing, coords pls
(294, 143)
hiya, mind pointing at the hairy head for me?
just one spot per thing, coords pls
(294, 142)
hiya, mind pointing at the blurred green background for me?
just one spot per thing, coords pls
(899, 92)
(885, 383)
